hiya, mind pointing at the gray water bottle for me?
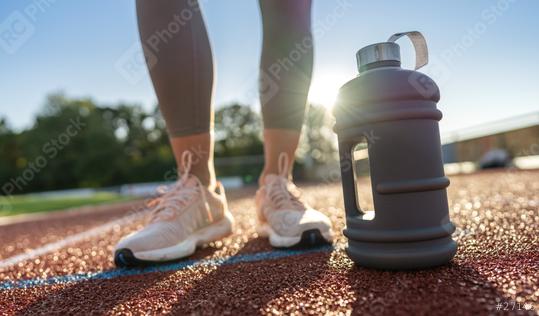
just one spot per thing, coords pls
(387, 117)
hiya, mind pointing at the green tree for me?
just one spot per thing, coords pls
(238, 131)
(75, 142)
(10, 150)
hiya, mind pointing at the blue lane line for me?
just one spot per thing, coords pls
(111, 274)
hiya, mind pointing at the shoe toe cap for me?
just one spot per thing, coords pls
(294, 223)
(150, 238)
(131, 242)
(313, 219)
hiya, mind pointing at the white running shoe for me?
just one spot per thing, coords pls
(185, 216)
(284, 217)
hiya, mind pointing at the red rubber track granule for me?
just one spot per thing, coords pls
(495, 271)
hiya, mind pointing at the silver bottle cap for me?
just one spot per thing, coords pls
(388, 53)
(379, 52)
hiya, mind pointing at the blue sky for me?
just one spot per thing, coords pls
(484, 53)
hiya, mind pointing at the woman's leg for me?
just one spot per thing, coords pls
(194, 210)
(286, 68)
(180, 62)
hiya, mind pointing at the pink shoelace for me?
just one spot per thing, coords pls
(283, 193)
(175, 197)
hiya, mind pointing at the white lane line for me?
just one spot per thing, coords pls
(31, 254)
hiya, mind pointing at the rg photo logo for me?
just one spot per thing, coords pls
(268, 88)
(437, 69)
(15, 30)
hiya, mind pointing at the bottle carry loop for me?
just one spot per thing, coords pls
(420, 46)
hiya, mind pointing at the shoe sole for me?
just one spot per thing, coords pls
(309, 238)
(124, 257)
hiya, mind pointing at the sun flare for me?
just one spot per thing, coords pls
(325, 89)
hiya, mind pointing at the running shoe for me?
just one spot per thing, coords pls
(183, 217)
(284, 217)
